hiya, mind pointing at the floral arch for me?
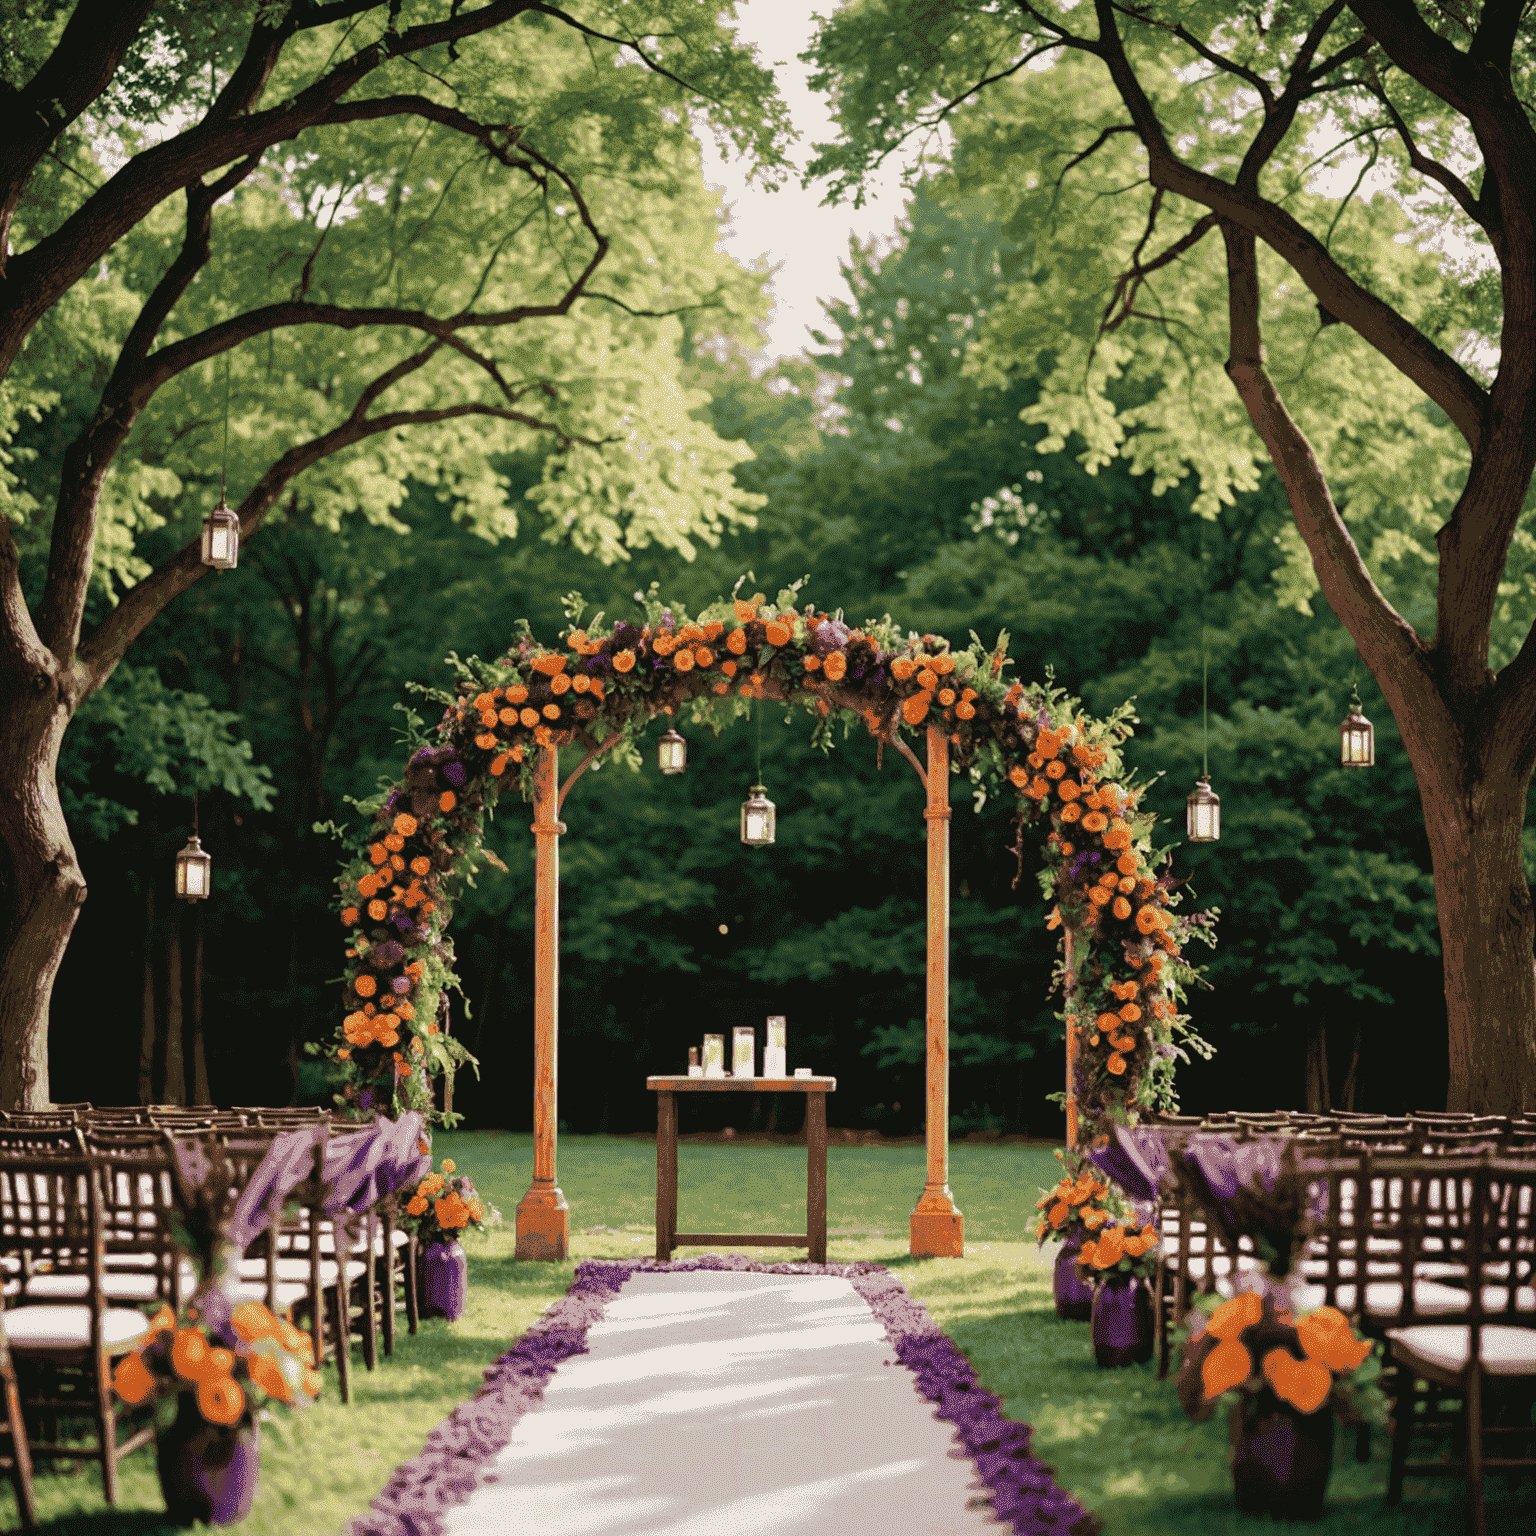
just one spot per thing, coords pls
(504, 722)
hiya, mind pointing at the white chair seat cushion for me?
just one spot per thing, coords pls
(297, 1270)
(1383, 1298)
(66, 1327)
(298, 1242)
(289, 1295)
(1504, 1351)
(74, 1287)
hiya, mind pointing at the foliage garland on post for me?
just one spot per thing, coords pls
(601, 688)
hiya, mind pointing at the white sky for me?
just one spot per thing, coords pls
(805, 241)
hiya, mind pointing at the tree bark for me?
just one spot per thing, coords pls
(1352, 1077)
(200, 1093)
(1317, 1066)
(175, 1062)
(148, 1024)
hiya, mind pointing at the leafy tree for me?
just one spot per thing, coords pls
(1402, 393)
(400, 240)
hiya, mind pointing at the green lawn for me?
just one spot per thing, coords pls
(1117, 1438)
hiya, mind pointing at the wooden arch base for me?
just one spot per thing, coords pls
(543, 1217)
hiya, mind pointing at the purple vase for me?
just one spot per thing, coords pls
(1122, 1321)
(207, 1471)
(1281, 1458)
(444, 1274)
(1074, 1295)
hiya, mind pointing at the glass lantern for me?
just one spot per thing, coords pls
(1202, 812)
(221, 539)
(757, 818)
(694, 1069)
(194, 872)
(714, 1055)
(671, 752)
(1357, 736)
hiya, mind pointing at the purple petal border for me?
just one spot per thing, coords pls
(458, 1454)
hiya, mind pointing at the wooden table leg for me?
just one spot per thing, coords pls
(666, 1172)
(816, 1175)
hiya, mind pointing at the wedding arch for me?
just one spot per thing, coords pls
(504, 722)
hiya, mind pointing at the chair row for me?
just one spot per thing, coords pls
(86, 1254)
(1433, 1254)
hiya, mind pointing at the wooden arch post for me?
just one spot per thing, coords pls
(938, 1227)
(543, 1217)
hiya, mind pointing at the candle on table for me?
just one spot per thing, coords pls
(743, 1049)
(773, 1051)
(694, 1069)
(714, 1055)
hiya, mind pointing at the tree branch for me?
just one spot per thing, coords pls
(1128, 284)
(109, 642)
(1469, 204)
(1389, 644)
(1439, 375)
(95, 38)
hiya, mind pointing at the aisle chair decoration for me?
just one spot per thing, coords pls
(501, 726)
(227, 1362)
(1287, 1376)
(1121, 1260)
(441, 1209)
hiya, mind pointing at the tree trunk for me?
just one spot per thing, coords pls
(175, 1069)
(148, 1025)
(1317, 1066)
(1487, 938)
(1352, 1077)
(200, 1093)
(41, 884)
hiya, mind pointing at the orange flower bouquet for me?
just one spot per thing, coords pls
(444, 1205)
(1250, 1347)
(1122, 1248)
(230, 1370)
(1078, 1206)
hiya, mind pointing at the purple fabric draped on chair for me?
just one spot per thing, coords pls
(1137, 1160)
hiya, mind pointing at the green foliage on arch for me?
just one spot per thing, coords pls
(602, 687)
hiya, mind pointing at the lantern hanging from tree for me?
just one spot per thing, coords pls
(1357, 736)
(672, 753)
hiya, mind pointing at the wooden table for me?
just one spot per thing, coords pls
(816, 1090)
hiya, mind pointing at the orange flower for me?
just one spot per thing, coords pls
(812, 662)
(560, 684)
(928, 678)
(1099, 896)
(745, 610)
(1018, 775)
(902, 668)
(1054, 920)
(516, 694)
(446, 801)
(251, 1320)
(683, 661)
(551, 711)
(623, 661)
(549, 665)
(1070, 813)
(1094, 821)
(1149, 920)
(377, 853)
(268, 1375)
(133, 1381)
(915, 706)
(946, 697)
(365, 986)
(736, 641)
(349, 915)
(1067, 789)
(1111, 1248)
(703, 656)
(189, 1354)
(1116, 1064)
(421, 865)
(1039, 789)
(1232, 1317)
(1130, 1013)
(777, 632)
(416, 1205)
(836, 666)
(452, 1212)
(405, 824)
(1118, 836)
(943, 664)
(1227, 1366)
(1325, 1335)
(1303, 1383)
(220, 1400)
(1058, 1213)
(1093, 1220)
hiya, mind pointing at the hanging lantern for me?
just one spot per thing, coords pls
(757, 819)
(1357, 736)
(672, 752)
(194, 872)
(221, 539)
(1202, 812)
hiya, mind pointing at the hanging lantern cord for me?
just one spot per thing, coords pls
(757, 710)
(224, 457)
(1205, 719)
(194, 813)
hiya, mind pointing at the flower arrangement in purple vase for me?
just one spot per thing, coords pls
(445, 1205)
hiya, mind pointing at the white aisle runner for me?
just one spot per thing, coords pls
(721, 1403)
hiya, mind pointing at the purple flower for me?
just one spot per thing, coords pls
(401, 985)
(455, 774)
(831, 636)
